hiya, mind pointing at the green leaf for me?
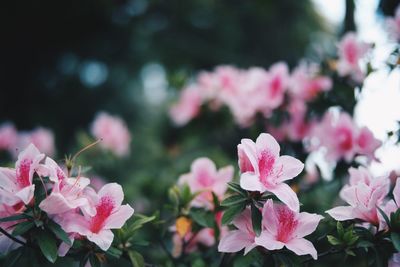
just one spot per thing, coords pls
(395, 237)
(47, 245)
(114, 252)
(236, 187)
(13, 257)
(232, 212)
(340, 229)
(138, 223)
(173, 194)
(22, 228)
(94, 261)
(136, 258)
(186, 195)
(256, 218)
(385, 217)
(14, 218)
(202, 217)
(333, 240)
(59, 232)
(233, 200)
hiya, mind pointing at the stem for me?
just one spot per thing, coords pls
(4, 232)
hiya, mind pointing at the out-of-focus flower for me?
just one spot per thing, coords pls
(110, 214)
(16, 184)
(205, 179)
(42, 138)
(113, 133)
(363, 193)
(188, 106)
(306, 84)
(8, 137)
(262, 169)
(394, 261)
(242, 238)
(284, 227)
(351, 50)
(394, 24)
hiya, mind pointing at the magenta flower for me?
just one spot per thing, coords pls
(204, 179)
(283, 227)
(351, 51)
(262, 169)
(242, 238)
(113, 132)
(16, 184)
(363, 193)
(188, 106)
(110, 214)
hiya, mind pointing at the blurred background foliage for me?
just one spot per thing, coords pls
(63, 61)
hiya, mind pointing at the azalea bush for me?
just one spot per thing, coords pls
(252, 166)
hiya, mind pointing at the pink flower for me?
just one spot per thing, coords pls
(8, 137)
(204, 179)
(367, 144)
(285, 227)
(363, 193)
(113, 133)
(262, 169)
(67, 193)
(273, 87)
(392, 205)
(351, 51)
(306, 84)
(394, 24)
(110, 214)
(16, 184)
(188, 106)
(242, 238)
(41, 137)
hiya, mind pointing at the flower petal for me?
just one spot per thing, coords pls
(341, 213)
(117, 219)
(103, 239)
(249, 181)
(235, 241)
(285, 194)
(291, 167)
(267, 241)
(307, 223)
(114, 191)
(301, 246)
(267, 142)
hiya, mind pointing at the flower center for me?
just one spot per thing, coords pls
(104, 209)
(266, 163)
(287, 223)
(23, 173)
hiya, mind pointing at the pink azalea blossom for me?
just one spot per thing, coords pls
(306, 84)
(363, 193)
(394, 24)
(8, 137)
(285, 227)
(113, 133)
(351, 51)
(110, 214)
(204, 179)
(242, 238)
(42, 138)
(67, 193)
(262, 169)
(188, 106)
(392, 205)
(367, 144)
(16, 184)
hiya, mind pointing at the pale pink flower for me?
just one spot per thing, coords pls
(337, 134)
(262, 169)
(306, 83)
(283, 227)
(242, 238)
(8, 137)
(113, 132)
(394, 24)
(16, 184)
(110, 214)
(351, 50)
(204, 178)
(42, 138)
(394, 261)
(392, 205)
(363, 193)
(298, 127)
(67, 193)
(188, 106)
(367, 144)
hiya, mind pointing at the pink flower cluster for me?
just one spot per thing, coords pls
(79, 209)
(341, 138)
(203, 180)
(113, 133)
(248, 92)
(350, 51)
(12, 141)
(262, 169)
(394, 24)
